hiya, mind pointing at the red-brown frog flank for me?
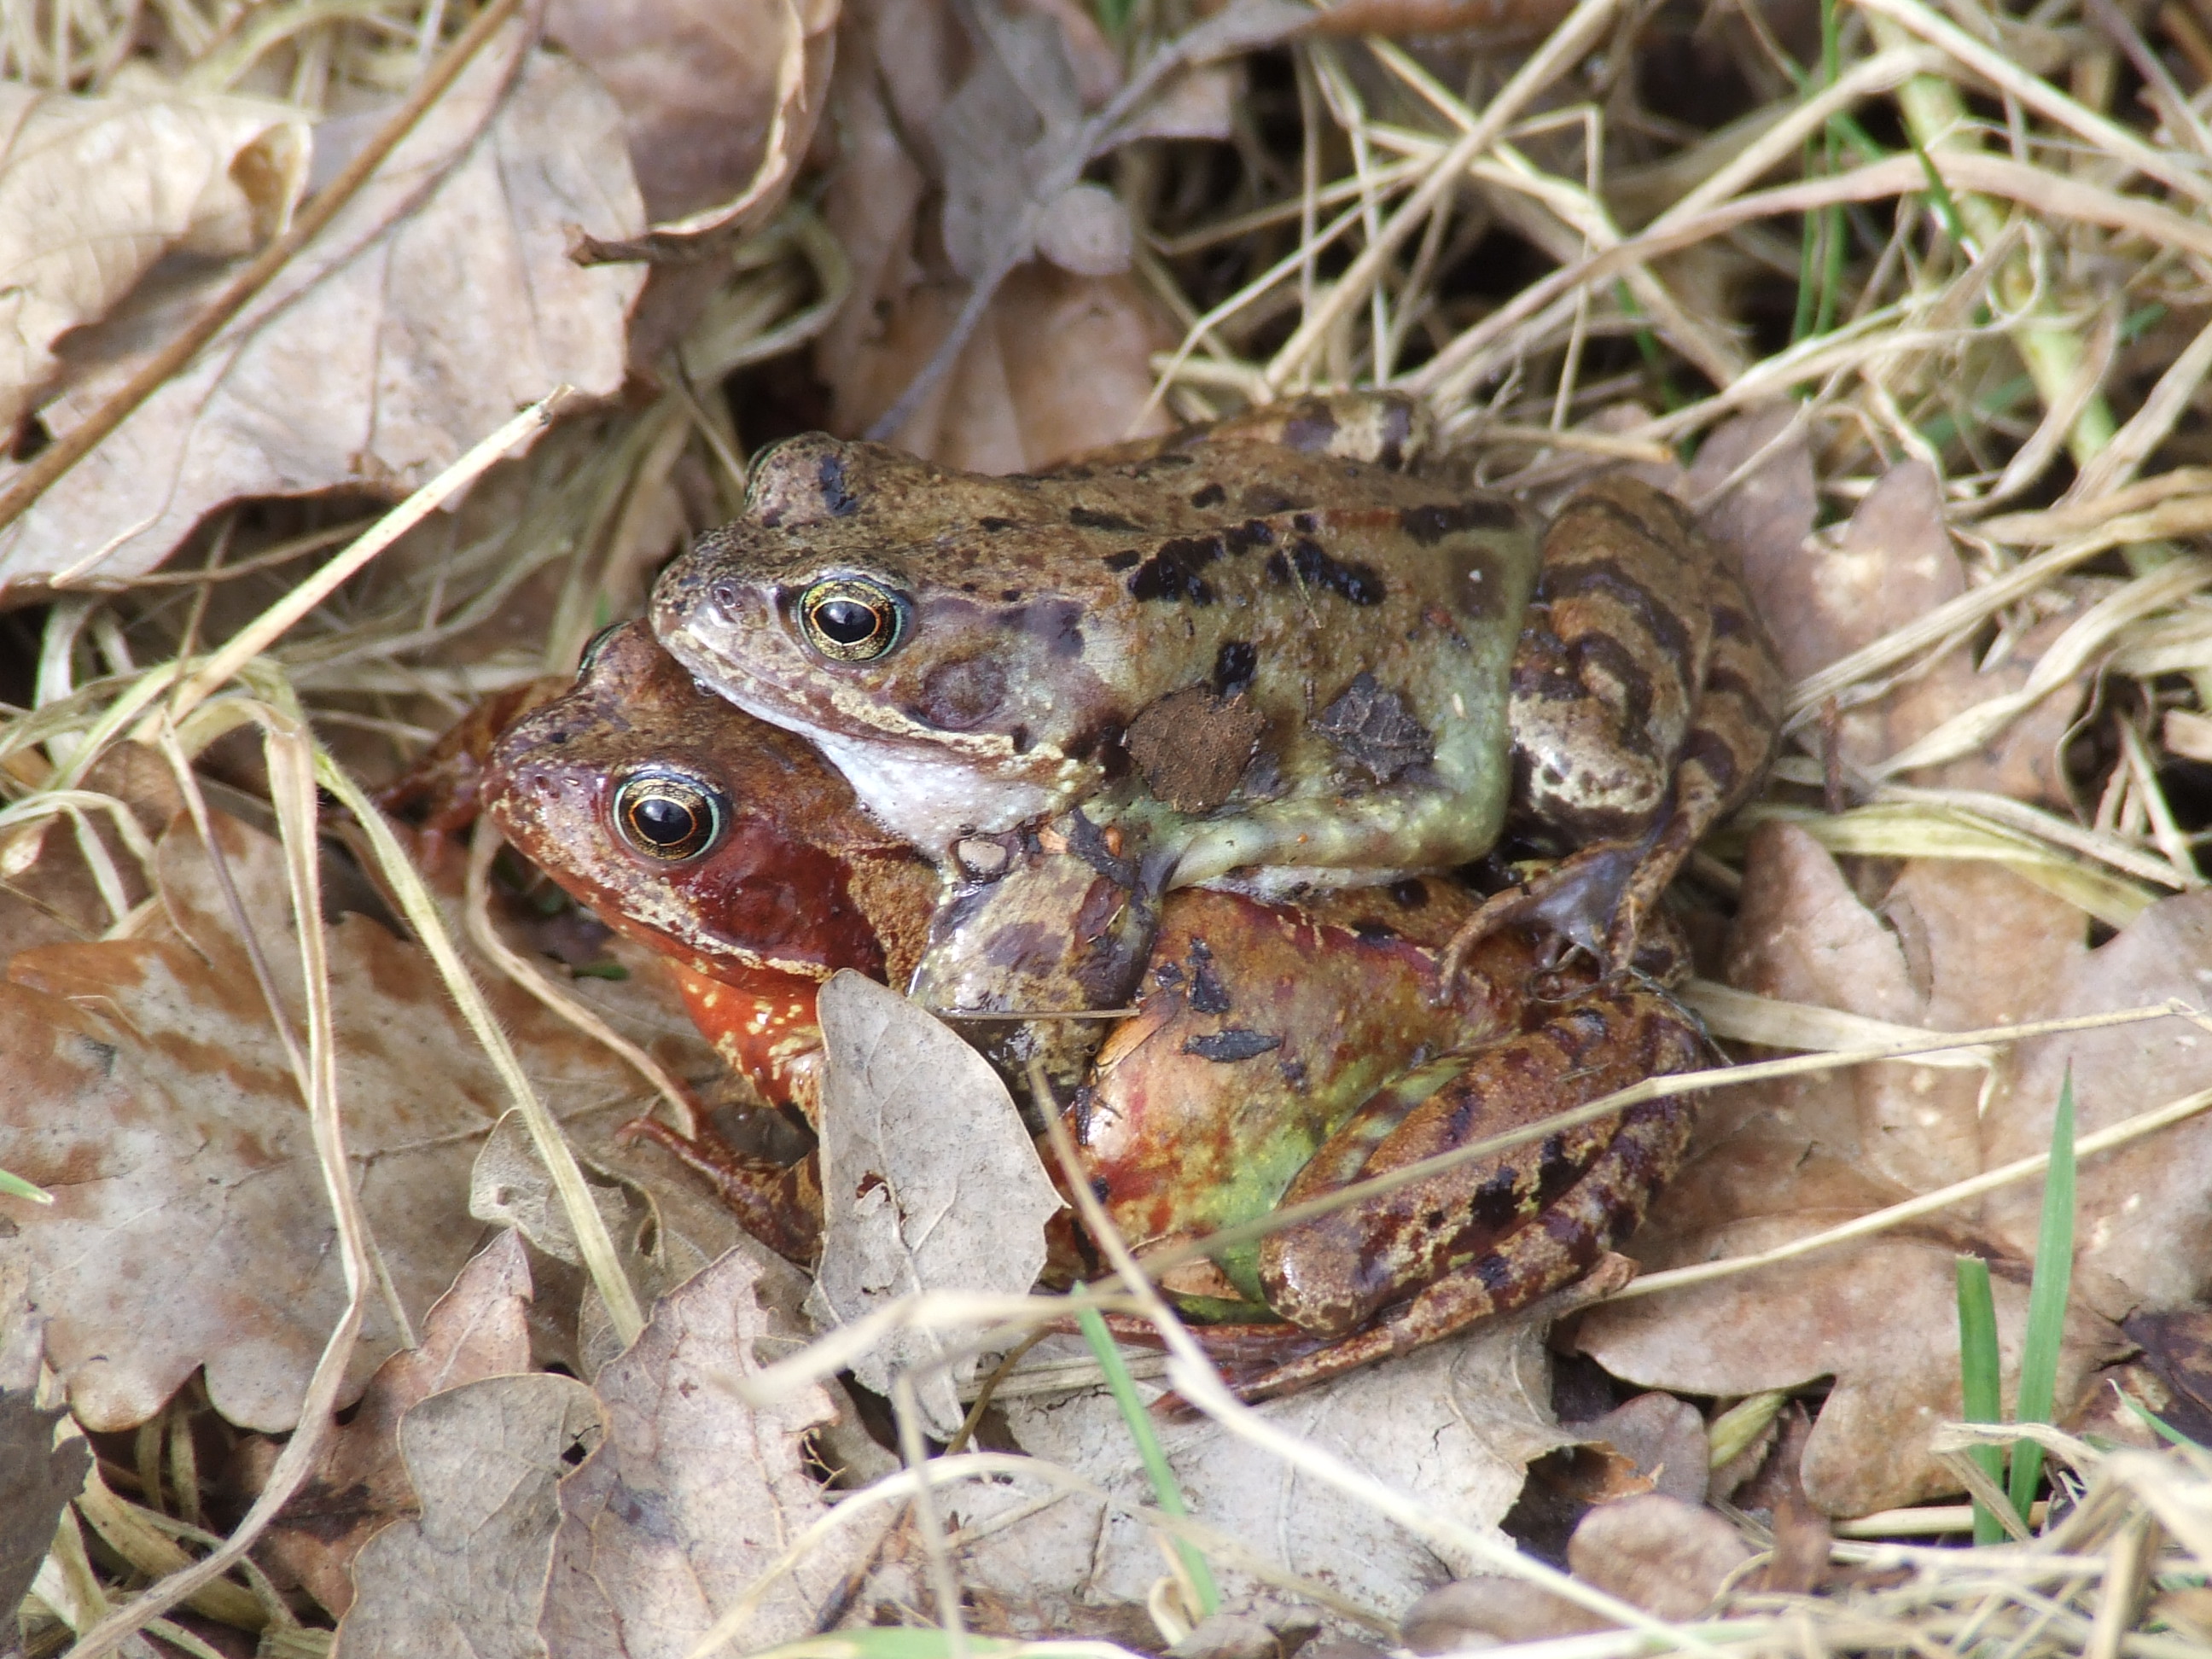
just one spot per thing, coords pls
(1278, 1051)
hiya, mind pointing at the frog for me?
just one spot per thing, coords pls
(1276, 651)
(1276, 1049)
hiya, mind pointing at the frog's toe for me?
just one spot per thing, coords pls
(1578, 900)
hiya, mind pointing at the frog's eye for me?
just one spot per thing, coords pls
(668, 817)
(851, 619)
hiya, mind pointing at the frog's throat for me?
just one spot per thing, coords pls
(928, 795)
(930, 800)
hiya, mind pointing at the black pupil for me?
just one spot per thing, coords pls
(848, 621)
(663, 821)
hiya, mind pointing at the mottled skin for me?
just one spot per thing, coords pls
(1042, 617)
(1273, 1046)
(1647, 699)
(1266, 651)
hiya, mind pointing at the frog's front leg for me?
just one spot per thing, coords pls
(1057, 920)
(1646, 700)
(1394, 1272)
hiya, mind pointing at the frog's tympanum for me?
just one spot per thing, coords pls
(1271, 650)
(1278, 1051)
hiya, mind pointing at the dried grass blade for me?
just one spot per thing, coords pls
(615, 1290)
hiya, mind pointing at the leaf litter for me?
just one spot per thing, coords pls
(1964, 481)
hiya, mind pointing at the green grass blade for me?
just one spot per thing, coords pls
(2164, 1430)
(1978, 1379)
(2046, 1299)
(1148, 1449)
(14, 1185)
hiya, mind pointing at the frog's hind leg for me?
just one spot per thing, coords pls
(1596, 1214)
(1645, 704)
(1491, 1235)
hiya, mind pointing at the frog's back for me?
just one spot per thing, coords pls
(1036, 631)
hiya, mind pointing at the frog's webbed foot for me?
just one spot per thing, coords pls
(780, 1205)
(1583, 900)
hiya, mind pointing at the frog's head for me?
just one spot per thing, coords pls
(921, 625)
(694, 828)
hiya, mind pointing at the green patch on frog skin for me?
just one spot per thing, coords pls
(1266, 1169)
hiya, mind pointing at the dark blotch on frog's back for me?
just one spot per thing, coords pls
(840, 502)
(1372, 727)
(1225, 1048)
(1264, 500)
(1315, 570)
(1495, 1205)
(1058, 623)
(1086, 517)
(1127, 559)
(1234, 665)
(1412, 894)
(1312, 429)
(1172, 572)
(1207, 496)
(1429, 524)
(996, 524)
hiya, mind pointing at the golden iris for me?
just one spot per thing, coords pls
(851, 619)
(668, 817)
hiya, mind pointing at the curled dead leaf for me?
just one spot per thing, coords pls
(1657, 1552)
(143, 1083)
(478, 1329)
(694, 1493)
(929, 1182)
(466, 1579)
(719, 100)
(366, 362)
(94, 190)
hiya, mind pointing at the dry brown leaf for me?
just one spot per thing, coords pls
(1764, 517)
(1484, 1611)
(94, 191)
(40, 1479)
(1967, 944)
(2145, 1230)
(693, 1494)
(929, 1183)
(467, 1579)
(1891, 564)
(704, 87)
(1955, 945)
(479, 1328)
(1668, 1557)
(144, 1086)
(440, 300)
(1061, 362)
(1453, 1425)
(1664, 1438)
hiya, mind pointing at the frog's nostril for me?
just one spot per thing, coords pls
(725, 596)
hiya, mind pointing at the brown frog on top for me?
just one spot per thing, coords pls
(1270, 650)
(1279, 1051)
